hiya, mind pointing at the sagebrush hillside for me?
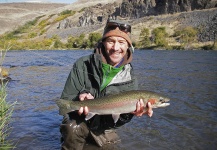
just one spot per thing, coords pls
(55, 26)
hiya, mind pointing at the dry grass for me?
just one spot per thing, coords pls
(14, 14)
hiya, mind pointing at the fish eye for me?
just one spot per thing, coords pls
(161, 99)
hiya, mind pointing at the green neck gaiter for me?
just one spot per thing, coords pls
(109, 73)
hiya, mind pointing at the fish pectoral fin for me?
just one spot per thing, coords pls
(89, 115)
(115, 117)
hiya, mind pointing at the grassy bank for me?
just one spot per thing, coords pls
(185, 38)
(6, 110)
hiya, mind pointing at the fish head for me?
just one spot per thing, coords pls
(160, 101)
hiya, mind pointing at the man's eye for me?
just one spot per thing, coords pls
(110, 42)
(122, 42)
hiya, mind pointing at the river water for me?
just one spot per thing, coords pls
(189, 78)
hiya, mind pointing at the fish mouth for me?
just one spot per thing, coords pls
(165, 104)
(162, 103)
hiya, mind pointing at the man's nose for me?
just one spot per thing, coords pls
(116, 46)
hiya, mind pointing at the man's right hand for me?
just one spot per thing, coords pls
(82, 97)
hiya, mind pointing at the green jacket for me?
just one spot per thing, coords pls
(86, 76)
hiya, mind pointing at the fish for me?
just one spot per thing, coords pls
(124, 102)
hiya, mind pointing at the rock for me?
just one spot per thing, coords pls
(4, 75)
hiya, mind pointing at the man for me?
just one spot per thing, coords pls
(107, 71)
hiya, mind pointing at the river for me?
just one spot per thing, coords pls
(189, 78)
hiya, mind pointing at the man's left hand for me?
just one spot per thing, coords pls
(140, 107)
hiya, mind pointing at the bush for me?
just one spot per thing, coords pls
(65, 12)
(57, 43)
(144, 38)
(32, 35)
(186, 35)
(93, 39)
(159, 36)
(43, 24)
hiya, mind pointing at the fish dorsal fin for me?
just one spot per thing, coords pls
(89, 115)
(115, 117)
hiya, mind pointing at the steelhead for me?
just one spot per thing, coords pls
(114, 105)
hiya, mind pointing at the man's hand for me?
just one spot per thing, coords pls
(85, 96)
(140, 109)
(82, 97)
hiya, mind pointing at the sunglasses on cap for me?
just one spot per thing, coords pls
(121, 26)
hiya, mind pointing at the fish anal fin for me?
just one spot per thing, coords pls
(89, 115)
(115, 117)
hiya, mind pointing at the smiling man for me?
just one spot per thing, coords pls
(107, 71)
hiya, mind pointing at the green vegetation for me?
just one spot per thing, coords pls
(76, 42)
(63, 15)
(32, 36)
(43, 23)
(157, 39)
(186, 36)
(21, 29)
(144, 39)
(6, 110)
(54, 42)
(94, 38)
(159, 36)
(183, 38)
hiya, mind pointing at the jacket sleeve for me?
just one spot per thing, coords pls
(74, 83)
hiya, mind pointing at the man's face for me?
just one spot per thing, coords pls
(116, 47)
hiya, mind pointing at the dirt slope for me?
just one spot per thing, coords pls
(13, 15)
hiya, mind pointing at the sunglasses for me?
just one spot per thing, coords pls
(123, 27)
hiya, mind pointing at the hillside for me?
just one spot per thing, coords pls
(13, 15)
(44, 21)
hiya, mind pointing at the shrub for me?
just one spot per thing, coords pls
(32, 35)
(144, 38)
(43, 24)
(159, 35)
(57, 43)
(186, 35)
(94, 38)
